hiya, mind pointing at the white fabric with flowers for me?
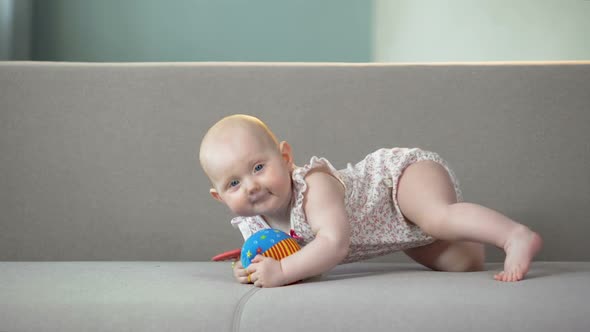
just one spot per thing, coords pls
(378, 226)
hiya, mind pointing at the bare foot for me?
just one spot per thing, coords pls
(520, 249)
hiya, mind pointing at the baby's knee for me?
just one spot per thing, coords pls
(462, 257)
(473, 260)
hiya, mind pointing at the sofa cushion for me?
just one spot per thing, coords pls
(407, 297)
(117, 296)
(366, 296)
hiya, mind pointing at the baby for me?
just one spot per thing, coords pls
(394, 199)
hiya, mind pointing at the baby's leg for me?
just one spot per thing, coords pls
(449, 256)
(427, 197)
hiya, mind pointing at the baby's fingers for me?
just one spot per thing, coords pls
(242, 279)
(241, 275)
(245, 280)
(240, 272)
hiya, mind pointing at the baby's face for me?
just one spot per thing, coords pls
(250, 174)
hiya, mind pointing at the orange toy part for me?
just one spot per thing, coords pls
(228, 255)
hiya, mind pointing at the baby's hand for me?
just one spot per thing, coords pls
(240, 273)
(266, 272)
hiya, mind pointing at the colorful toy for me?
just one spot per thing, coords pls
(266, 242)
(270, 243)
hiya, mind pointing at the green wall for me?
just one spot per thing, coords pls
(202, 30)
(310, 30)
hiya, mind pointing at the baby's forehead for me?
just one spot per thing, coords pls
(243, 130)
(237, 137)
(235, 145)
(232, 135)
(228, 161)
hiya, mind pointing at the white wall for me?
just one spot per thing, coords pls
(481, 30)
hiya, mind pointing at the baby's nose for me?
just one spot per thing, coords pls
(253, 188)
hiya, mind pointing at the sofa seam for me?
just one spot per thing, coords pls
(240, 308)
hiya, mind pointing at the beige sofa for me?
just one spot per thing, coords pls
(106, 223)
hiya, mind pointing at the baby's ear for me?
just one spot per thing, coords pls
(286, 152)
(215, 195)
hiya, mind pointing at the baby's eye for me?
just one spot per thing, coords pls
(234, 183)
(258, 167)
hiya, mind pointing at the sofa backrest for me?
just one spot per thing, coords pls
(99, 161)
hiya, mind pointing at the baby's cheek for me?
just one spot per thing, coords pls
(234, 205)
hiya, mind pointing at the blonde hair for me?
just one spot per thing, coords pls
(232, 121)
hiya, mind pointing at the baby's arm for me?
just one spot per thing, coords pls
(326, 213)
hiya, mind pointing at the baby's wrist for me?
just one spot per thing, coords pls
(284, 278)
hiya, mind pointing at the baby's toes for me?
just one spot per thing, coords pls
(515, 276)
(510, 276)
(507, 276)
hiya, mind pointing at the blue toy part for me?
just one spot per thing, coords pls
(268, 242)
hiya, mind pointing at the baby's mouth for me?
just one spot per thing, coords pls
(259, 197)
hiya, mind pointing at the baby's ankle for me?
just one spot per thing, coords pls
(519, 233)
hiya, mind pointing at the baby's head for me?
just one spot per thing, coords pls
(250, 171)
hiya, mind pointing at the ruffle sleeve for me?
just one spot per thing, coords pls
(298, 219)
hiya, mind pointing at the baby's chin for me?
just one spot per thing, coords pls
(270, 206)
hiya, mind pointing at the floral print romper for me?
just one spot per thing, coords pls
(377, 224)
